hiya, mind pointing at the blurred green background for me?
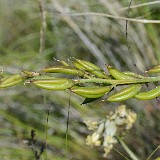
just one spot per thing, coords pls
(98, 39)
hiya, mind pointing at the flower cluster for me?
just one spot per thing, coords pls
(105, 131)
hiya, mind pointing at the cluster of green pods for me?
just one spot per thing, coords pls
(126, 93)
(80, 68)
(132, 91)
(88, 71)
(89, 67)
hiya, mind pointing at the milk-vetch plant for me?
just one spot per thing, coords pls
(90, 81)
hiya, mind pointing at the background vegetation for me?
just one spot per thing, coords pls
(98, 39)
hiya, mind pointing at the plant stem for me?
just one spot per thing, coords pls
(131, 154)
(118, 82)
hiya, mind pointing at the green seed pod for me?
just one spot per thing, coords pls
(155, 69)
(125, 94)
(117, 74)
(54, 83)
(11, 81)
(90, 67)
(132, 74)
(91, 92)
(148, 95)
(63, 69)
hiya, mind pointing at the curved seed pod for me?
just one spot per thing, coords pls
(125, 93)
(117, 74)
(92, 68)
(63, 69)
(148, 95)
(91, 92)
(11, 80)
(54, 84)
(155, 69)
(132, 74)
